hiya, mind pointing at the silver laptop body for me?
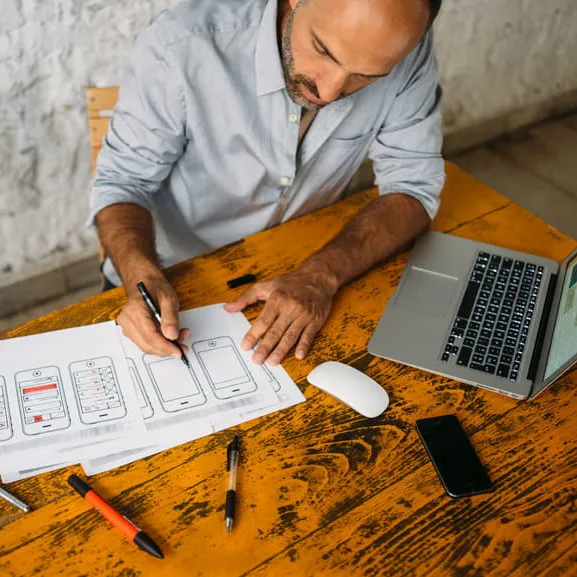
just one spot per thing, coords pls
(439, 320)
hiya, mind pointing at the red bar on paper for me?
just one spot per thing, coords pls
(39, 388)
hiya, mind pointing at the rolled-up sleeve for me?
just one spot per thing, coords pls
(406, 153)
(147, 130)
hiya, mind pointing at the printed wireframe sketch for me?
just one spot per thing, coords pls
(223, 367)
(5, 420)
(271, 378)
(176, 386)
(41, 399)
(48, 379)
(143, 400)
(97, 390)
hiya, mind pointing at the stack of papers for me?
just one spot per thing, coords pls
(89, 395)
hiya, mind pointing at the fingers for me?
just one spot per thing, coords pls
(258, 292)
(139, 326)
(285, 344)
(306, 340)
(278, 333)
(168, 304)
(245, 299)
(260, 327)
(295, 310)
(184, 334)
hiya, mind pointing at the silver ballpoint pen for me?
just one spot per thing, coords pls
(16, 502)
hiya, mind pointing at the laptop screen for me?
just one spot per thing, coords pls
(564, 341)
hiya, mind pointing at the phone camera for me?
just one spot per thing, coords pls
(212, 344)
(36, 373)
(90, 363)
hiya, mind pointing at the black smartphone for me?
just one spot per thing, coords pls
(453, 456)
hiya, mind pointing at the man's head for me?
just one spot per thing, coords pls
(331, 48)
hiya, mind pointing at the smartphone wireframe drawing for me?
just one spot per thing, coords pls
(5, 422)
(271, 378)
(223, 367)
(175, 385)
(97, 390)
(41, 398)
(143, 400)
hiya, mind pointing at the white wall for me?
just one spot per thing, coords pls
(506, 57)
(497, 57)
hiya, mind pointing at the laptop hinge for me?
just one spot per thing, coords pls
(538, 348)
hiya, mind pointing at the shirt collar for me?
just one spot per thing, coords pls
(268, 67)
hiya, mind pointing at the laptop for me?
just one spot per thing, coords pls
(484, 315)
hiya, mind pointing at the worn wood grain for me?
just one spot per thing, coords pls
(322, 489)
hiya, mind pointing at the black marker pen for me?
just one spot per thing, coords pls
(153, 307)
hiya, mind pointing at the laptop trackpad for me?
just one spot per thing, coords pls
(427, 292)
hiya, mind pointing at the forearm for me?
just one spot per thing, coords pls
(382, 228)
(126, 232)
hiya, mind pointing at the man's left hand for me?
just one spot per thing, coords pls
(297, 305)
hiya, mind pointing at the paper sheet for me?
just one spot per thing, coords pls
(10, 477)
(226, 388)
(65, 395)
(89, 394)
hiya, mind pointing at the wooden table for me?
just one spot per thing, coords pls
(324, 491)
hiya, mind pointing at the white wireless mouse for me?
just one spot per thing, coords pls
(352, 387)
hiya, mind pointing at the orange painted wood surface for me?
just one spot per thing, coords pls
(322, 490)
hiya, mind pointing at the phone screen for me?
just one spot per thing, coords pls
(224, 367)
(41, 399)
(453, 456)
(173, 379)
(97, 389)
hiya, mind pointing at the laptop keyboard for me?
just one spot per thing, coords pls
(490, 330)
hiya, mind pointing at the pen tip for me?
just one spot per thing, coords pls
(228, 524)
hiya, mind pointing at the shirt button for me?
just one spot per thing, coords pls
(285, 180)
(293, 118)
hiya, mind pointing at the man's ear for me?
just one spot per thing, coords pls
(293, 3)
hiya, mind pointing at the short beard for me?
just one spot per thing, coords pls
(294, 81)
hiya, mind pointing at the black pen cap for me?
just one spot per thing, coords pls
(79, 485)
(233, 446)
(245, 279)
(145, 543)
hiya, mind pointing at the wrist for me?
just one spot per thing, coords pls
(143, 270)
(325, 273)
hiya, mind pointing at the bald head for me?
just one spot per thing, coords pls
(369, 36)
(331, 48)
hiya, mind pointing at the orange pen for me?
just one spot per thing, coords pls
(128, 529)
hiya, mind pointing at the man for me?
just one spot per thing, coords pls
(216, 136)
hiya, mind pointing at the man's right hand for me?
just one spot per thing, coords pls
(127, 234)
(138, 323)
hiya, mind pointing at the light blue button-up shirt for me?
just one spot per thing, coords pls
(205, 136)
